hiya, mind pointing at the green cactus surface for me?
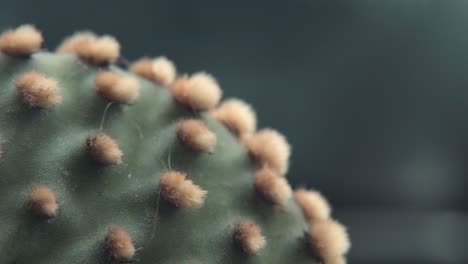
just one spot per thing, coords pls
(48, 146)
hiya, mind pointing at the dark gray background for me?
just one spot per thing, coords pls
(371, 94)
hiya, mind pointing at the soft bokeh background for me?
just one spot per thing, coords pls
(373, 96)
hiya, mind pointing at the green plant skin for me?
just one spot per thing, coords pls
(47, 146)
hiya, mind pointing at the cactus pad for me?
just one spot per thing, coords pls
(102, 165)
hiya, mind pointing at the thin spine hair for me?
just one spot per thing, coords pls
(42, 201)
(237, 116)
(38, 90)
(21, 41)
(180, 191)
(249, 236)
(313, 204)
(119, 244)
(196, 135)
(272, 186)
(270, 148)
(103, 149)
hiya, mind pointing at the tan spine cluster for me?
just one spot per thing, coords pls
(120, 244)
(72, 43)
(199, 91)
(335, 260)
(329, 239)
(272, 186)
(314, 206)
(195, 134)
(104, 149)
(249, 237)
(159, 70)
(180, 191)
(43, 202)
(92, 48)
(38, 90)
(271, 149)
(116, 88)
(237, 116)
(21, 41)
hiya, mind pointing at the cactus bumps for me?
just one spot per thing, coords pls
(103, 165)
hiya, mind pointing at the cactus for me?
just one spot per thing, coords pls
(103, 165)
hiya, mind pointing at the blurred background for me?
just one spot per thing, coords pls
(373, 96)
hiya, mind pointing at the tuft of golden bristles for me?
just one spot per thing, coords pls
(37, 90)
(21, 41)
(237, 116)
(159, 70)
(120, 244)
(272, 186)
(249, 237)
(180, 191)
(103, 149)
(270, 148)
(329, 239)
(200, 91)
(195, 134)
(71, 43)
(335, 260)
(91, 48)
(116, 88)
(314, 206)
(42, 201)
(144, 68)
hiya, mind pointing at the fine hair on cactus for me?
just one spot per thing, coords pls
(104, 164)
